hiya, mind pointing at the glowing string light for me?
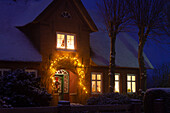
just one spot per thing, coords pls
(76, 62)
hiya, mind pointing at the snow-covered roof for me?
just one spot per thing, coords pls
(21, 12)
(126, 47)
(126, 50)
(14, 45)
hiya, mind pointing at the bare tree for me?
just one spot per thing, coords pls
(150, 17)
(115, 16)
(161, 76)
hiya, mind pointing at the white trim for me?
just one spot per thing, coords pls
(96, 82)
(32, 70)
(4, 69)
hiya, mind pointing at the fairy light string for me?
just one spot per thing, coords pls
(71, 62)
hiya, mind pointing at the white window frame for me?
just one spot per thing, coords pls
(96, 82)
(117, 81)
(4, 69)
(32, 70)
(131, 81)
(65, 42)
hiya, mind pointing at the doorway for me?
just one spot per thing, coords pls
(62, 84)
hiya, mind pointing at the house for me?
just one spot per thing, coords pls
(58, 40)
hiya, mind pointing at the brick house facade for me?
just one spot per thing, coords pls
(61, 33)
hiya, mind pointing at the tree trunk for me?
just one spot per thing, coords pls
(112, 62)
(142, 70)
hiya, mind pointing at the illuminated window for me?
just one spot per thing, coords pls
(60, 41)
(65, 41)
(117, 75)
(4, 71)
(32, 71)
(96, 82)
(131, 83)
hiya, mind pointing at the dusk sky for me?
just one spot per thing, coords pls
(156, 52)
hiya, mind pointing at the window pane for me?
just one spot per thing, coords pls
(116, 86)
(133, 87)
(128, 78)
(33, 73)
(60, 41)
(70, 42)
(98, 86)
(98, 76)
(133, 78)
(93, 86)
(93, 76)
(128, 86)
(116, 77)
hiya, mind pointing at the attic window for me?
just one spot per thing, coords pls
(65, 41)
(65, 14)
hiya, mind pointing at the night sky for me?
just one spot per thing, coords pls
(156, 52)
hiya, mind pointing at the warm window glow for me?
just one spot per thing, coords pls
(93, 76)
(98, 86)
(70, 42)
(133, 86)
(65, 41)
(133, 78)
(117, 82)
(96, 83)
(98, 76)
(131, 83)
(93, 86)
(60, 41)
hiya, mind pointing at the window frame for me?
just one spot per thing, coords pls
(32, 70)
(131, 81)
(4, 69)
(96, 73)
(65, 42)
(117, 81)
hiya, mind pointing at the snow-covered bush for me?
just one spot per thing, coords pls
(23, 90)
(109, 98)
(3, 103)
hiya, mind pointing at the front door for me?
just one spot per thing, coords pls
(59, 82)
(62, 84)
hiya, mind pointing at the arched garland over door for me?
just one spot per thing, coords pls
(70, 63)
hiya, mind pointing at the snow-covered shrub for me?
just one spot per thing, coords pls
(3, 103)
(139, 96)
(23, 90)
(109, 98)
